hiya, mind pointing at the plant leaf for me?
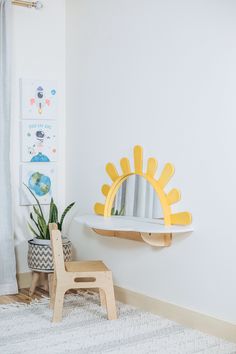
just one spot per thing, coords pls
(36, 224)
(43, 226)
(37, 212)
(50, 220)
(48, 233)
(33, 231)
(64, 214)
(55, 213)
(37, 201)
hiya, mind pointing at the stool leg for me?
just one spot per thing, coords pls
(102, 297)
(50, 283)
(45, 282)
(111, 304)
(52, 289)
(34, 281)
(110, 297)
(58, 304)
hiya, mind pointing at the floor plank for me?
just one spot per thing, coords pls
(23, 296)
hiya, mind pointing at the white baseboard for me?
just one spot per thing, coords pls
(186, 317)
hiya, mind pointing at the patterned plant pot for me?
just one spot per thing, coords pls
(40, 254)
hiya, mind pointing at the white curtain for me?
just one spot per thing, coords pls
(8, 283)
(137, 197)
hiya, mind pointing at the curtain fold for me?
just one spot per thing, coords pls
(8, 284)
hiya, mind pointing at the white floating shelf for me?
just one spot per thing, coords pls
(151, 231)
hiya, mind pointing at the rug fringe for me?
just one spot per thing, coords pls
(44, 300)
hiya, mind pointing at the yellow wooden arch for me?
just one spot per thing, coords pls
(166, 200)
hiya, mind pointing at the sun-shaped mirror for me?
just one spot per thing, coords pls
(158, 184)
(136, 197)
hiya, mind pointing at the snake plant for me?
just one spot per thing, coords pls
(41, 226)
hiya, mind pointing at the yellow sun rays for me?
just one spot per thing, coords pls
(166, 199)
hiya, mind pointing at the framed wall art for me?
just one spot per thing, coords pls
(38, 99)
(38, 141)
(41, 179)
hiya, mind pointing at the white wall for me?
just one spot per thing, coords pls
(38, 52)
(161, 74)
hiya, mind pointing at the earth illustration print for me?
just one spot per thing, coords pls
(40, 184)
(41, 180)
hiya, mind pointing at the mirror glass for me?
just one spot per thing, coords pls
(137, 197)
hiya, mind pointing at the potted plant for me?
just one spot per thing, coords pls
(39, 251)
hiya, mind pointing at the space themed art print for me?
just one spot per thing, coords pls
(38, 99)
(38, 141)
(41, 179)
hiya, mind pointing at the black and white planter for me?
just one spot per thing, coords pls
(40, 254)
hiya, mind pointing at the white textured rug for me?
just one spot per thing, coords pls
(85, 329)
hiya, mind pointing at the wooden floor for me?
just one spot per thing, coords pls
(23, 296)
